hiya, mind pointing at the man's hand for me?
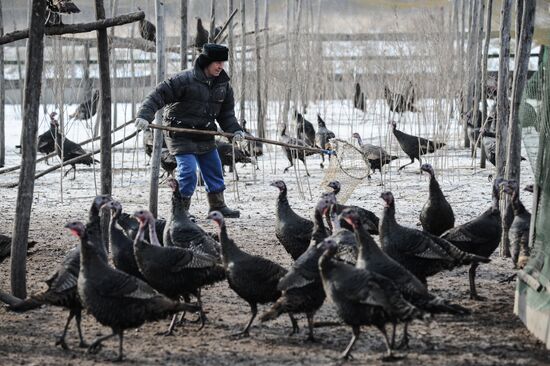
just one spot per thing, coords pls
(141, 124)
(238, 136)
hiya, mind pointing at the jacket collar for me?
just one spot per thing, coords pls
(198, 73)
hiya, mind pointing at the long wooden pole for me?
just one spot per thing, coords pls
(31, 106)
(468, 99)
(157, 137)
(2, 97)
(105, 124)
(259, 115)
(230, 39)
(266, 69)
(484, 72)
(243, 63)
(183, 33)
(212, 20)
(76, 28)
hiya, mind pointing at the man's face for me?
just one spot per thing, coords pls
(214, 69)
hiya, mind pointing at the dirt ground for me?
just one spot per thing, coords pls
(492, 335)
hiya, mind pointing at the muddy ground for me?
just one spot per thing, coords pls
(492, 335)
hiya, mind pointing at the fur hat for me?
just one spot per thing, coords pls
(212, 52)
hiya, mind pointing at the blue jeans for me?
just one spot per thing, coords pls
(210, 166)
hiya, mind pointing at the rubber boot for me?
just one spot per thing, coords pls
(216, 202)
(186, 203)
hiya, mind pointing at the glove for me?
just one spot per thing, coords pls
(238, 136)
(141, 124)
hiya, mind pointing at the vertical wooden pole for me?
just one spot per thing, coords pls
(114, 96)
(25, 190)
(259, 115)
(472, 32)
(288, 93)
(484, 73)
(477, 65)
(105, 130)
(230, 45)
(243, 61)
(183, 33)
(502, 88)
(2, 97)
(212, 21)
(157, 137)
(266, 65)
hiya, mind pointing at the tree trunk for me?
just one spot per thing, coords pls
(468, 99)
(2, 97)
(477, 72)
(484, 74)
(243, 62)
(266, 66)
(513, 146)
(105, 97)
(114, 5)
(183, 34)
(259, 115)
(503, 107)
(230, 44)
(157, 137)
(288, 93)
(31, 106)
(212, 20)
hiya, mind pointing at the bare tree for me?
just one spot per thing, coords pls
(484, 72)
(2, 97)
(183, 33)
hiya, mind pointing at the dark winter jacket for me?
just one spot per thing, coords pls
(190, 100)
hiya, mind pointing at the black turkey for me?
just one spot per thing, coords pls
(293, 154)
(519, 230)
(174, 271)
(376, 155)
(414, 146)
(401, 103)
(292, 231)
(5, 246)
(116, 299)
(147, 30)
(304, 129)
(226, 152)
(253, 278)
(359, 98)
(421, 253)
(437, 214)
(373, 259)
(46, 141)
(202, 35)
(87, 109)
(363, 297)
(251, 148)
(302, 289)
(323, 136)
(54, 9)
(479, 236)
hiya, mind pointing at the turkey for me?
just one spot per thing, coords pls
(421, 253)
(202, 35)
(519, 230)
(147, 30)
(414, 146)
(225, 151)
(62, 284)
(168, 162)
(401, 103)
(122, 247)
(480, 236)
(376, 155)
(174, 271)
(5, 246)
(86, 109)
(323, 136)
(304, 129)
(46, 141)
(490, 145)
(70, 150)
(54, 9)
(363, 297)
(116, 299)
(437, 215)
(251, 148)
(181, 232)
(359, 98)
(253, 278)
(369, 219)
(302, 290)
(293, 154)
(373, 259)
(344, 238)
(130, 225)
(292, 231)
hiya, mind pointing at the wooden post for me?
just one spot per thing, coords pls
(502, 88)
(230, 44)
(484, 74)
(212, 20)
(261, 127)
(243, 62)
(2, 97)
(157, 139)
(266, 67)
(31, 106)
(183, 34)
(288, 92)
(468, 98)
(114, 95)
(105, 97)
(513, 146)
(477, 66)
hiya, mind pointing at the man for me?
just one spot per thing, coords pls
(195, 98)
